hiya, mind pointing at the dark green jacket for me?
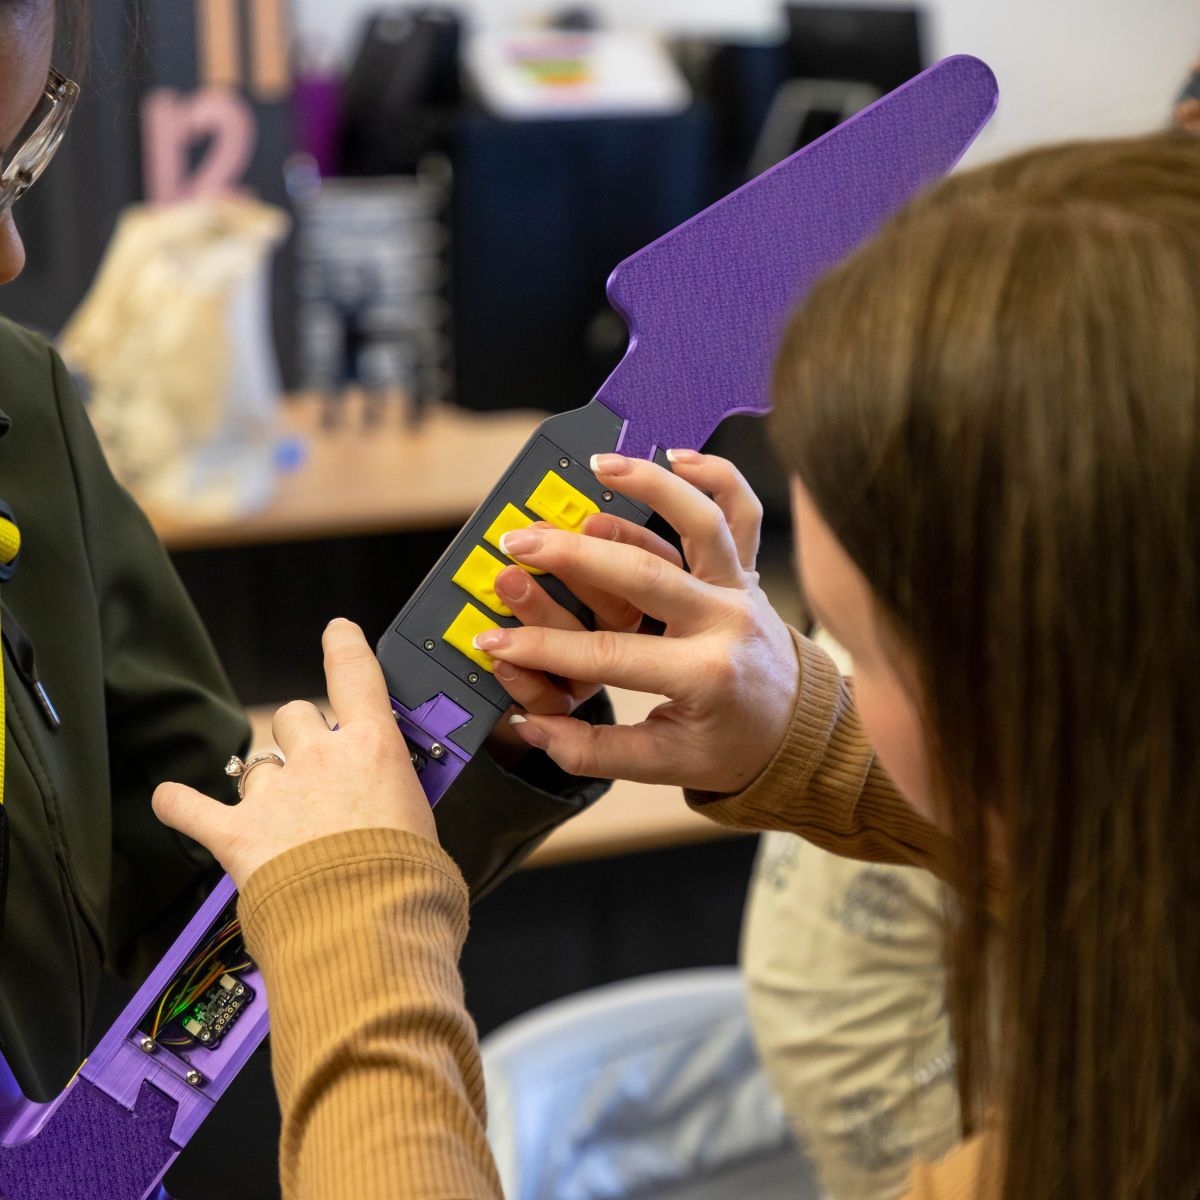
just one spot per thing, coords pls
(94, 880)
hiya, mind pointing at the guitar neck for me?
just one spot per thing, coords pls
(446, 699)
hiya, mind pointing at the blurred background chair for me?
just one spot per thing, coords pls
(649, 1088)
(795, 105)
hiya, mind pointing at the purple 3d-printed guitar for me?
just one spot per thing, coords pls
(705, 306)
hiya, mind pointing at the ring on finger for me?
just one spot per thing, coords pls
(235, 768)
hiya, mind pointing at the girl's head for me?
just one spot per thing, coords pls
(27, 38)
(992, 413)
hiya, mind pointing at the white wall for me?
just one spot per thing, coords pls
(1067, 68)
(1072, 68)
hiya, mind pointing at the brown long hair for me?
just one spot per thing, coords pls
(995, 406)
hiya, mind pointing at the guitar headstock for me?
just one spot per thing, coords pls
(706, 303)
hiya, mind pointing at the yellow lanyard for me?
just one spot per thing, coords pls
(10, 547)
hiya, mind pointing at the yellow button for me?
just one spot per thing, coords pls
(509, 519)
(556, 501)
(10, 541)
(467, 625)
(477, 576)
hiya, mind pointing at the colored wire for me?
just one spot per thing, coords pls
(184, 991)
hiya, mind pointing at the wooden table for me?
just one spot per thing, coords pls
(631, 817)
(355, 482)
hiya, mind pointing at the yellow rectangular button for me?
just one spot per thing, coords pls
(477, 575)
(465, 626)
(509, 519)
(564, 506)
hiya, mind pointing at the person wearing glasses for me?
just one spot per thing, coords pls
(111, 682)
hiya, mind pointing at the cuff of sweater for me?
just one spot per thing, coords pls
(818, 694)
(340, 852)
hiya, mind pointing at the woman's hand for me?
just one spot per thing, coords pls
(727, 662)
(535, 691)
(359, 777)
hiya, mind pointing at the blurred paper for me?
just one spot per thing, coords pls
(175, 342)
(552, 74)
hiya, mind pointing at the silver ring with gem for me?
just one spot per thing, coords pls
(235, 768)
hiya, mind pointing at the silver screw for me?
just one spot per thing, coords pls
(430, 644)
(606, 497)
(472, 678)
(194, 1077)
(437, 751)
(149, 1045)
(564, 463)
(415, 758)
(205, 1036)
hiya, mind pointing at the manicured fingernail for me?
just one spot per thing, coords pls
(491, 639)
(529, 731)
(520, 541)
(682, 456)
(513, 583)
(505, 672)
(609, 464)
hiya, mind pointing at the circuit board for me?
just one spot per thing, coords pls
(209, 1019)
(207, 996)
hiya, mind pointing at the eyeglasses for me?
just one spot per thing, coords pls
(24, 165)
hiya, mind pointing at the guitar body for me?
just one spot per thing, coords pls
(705, 306)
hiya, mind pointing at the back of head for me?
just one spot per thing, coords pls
(996, 408)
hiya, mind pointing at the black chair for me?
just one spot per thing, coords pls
(879, 46)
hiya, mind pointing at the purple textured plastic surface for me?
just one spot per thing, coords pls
(93, 1148)
(704, 307)
(706, 303)
(435, 722)
(118, 1065)
(116, 1130)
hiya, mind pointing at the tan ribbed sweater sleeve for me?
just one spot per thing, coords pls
(969, 1172)
(376, 1060)
(826, 784)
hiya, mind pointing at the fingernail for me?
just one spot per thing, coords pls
(512, 583)
(609, 464)
(520, 541)
(529, 731)
(505, 672)
(601, 527)
(682, 456)
(491, 639)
